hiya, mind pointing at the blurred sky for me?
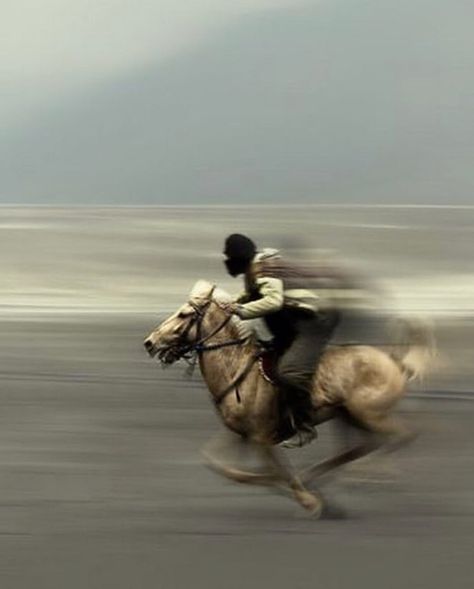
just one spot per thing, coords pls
(260, 101)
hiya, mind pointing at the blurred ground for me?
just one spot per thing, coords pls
(102, 485)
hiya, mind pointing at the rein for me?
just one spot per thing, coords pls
(192, 351)
(200, 345)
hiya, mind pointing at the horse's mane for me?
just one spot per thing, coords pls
(202, 289)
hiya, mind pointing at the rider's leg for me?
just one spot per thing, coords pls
(297, 366)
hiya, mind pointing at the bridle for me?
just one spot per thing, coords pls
(190, 352)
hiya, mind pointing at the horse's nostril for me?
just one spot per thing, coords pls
(148, 345)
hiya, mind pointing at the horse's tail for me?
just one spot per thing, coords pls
(416, 349)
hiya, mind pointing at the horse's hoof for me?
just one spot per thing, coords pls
(313, 504)
(333, 512)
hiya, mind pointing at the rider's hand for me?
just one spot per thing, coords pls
(231, 308)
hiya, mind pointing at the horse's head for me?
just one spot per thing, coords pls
(174, 336)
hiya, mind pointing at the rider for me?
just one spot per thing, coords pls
(277, 292)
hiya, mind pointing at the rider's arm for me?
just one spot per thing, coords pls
(242, 297)
(271, 291)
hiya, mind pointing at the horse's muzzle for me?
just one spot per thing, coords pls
(168, 355)
(150, 348)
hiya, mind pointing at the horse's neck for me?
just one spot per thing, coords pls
(220, 366)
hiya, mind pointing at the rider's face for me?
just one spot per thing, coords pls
(236, 266)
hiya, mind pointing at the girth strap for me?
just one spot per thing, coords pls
(241, 376)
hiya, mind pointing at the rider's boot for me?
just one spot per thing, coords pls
(302, 420)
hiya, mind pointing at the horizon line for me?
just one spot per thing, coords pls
(235, 206)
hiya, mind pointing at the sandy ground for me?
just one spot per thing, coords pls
(102, 484)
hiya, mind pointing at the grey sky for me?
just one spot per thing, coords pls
(248, 101)
(52, 49)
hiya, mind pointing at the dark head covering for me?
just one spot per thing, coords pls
(240, 251)
(239, 246)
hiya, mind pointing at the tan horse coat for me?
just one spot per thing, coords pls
(366, 381)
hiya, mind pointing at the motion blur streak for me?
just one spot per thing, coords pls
(101, 482)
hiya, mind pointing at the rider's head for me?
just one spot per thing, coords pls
(239, 251)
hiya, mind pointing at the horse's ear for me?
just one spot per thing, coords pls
(202, 289)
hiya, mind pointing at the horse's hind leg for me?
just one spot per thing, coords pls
(392, 432)
(370, 444)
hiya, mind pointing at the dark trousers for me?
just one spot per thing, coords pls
(299, 354)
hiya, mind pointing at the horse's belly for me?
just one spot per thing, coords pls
(255, 416)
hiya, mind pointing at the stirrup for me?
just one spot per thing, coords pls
(300, 439)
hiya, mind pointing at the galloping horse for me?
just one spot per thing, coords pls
(362, 382)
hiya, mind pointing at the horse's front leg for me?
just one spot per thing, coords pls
(216, 456)
(278, 469)
(312, 502)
